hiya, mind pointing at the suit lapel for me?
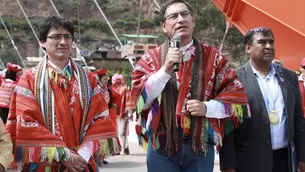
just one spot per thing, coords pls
(254, 88)
(285, 87)
(288, 94)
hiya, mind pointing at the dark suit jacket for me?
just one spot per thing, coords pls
(248, 148)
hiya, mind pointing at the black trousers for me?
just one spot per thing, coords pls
(280, 160)
(4, 114)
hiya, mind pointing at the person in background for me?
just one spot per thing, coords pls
(110, 146)
(302, 83)
(122, 121)
(8, 84)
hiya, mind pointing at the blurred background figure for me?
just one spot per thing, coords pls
(8, 84)
(122, 121)
(110, 146)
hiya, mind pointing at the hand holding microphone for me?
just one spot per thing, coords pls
(173, 57)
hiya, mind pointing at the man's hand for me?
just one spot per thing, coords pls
(196, 107)
(173, 56)
(301, 167)
(230, 170)
(77, 163)
(2, 169)
(66, 170)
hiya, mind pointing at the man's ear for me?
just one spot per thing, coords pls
(42, 44)
(193, 20)
(162, 25)
(248, 48)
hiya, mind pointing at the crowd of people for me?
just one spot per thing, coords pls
(60, 116)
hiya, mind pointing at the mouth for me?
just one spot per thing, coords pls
(181, 27)
(62, 49)
(268, 54)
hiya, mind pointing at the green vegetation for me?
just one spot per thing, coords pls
(8, 54)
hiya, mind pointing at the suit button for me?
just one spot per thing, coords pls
(268, 141)
(267, 122)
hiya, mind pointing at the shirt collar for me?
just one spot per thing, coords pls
(184, 48)
(57, 68)
(270, 74)
(301, 77)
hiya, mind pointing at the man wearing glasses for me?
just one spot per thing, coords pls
(273, 140)
(185, 112)
(58, 116)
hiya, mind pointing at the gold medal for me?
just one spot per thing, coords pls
(274, 119)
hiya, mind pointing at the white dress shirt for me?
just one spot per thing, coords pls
(273, 98)
(301, 79)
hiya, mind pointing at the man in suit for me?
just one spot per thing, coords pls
(274, 139)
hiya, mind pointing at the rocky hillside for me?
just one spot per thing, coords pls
(92, 30)
(122, 15)
(43, 8)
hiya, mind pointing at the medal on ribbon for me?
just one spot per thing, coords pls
(269, 94)
(274, 119)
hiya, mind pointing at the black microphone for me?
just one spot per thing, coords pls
(176, 43)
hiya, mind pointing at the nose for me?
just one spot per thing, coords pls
(180, 17)
(268, 45)
(62, 40)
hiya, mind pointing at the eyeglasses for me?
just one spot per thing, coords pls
(58, 37)
(174, 16)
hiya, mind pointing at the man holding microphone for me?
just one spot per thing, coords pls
(189, 96)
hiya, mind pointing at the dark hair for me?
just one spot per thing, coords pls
(110, 79)
(54, 22)
(252, 32)
(167, 4)
(110, 91)
(101, 76)
(11, 75)
(110, 97)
